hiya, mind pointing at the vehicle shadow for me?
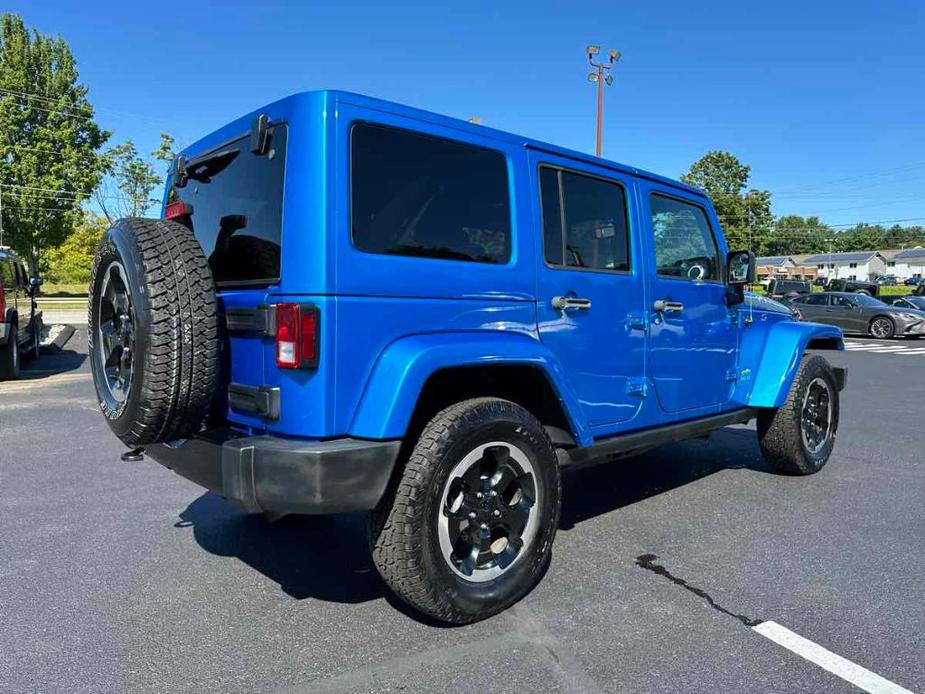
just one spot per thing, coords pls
(67, 353)
(597, 489)
(327, 557)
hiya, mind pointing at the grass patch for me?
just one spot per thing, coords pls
(63, 290)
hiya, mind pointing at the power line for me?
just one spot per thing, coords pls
(45, 99)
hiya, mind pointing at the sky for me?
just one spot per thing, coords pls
(824, 100)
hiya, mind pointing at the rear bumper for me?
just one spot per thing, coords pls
(260, 474)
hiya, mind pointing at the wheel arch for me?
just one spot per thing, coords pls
(772, 363)
(417, 376)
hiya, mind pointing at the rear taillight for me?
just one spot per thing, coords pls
(297, 336)
(177, 209)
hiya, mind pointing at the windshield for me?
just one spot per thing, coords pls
(917, 301)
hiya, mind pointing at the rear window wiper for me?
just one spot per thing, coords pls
(204, 168)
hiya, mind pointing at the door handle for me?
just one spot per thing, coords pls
(665, 306)
(564, 303)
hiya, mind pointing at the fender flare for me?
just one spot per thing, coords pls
(399, 374)
(776, 365)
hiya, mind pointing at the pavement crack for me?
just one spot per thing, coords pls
(647, 562)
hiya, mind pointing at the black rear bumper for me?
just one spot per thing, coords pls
(260, 474)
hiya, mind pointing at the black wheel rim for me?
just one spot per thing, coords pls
(488, 513)
(816, 415)
(115, 335)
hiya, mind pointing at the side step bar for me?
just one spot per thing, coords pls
(638, 441)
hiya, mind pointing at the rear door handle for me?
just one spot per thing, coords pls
(564, 303)
(665, 306)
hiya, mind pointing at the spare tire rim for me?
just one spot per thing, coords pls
(816, 418)
(488, 513)
(115, 344)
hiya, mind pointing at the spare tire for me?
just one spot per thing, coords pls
(153, 331)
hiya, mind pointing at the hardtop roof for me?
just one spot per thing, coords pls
(287, 105)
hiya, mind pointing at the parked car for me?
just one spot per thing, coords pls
(859, 313)
(20, 321)
(778, 289)
(913, 281)
(887, 281)
(854, 286)
(444, 317)
(915, 302)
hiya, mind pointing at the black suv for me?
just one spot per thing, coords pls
(780, 289)
(20, 322)
(853, 286)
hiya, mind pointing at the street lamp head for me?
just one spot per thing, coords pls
(592, 77)
(614, 55)
(593, 50)
(609, 80)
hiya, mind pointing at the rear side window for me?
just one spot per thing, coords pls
(417, 195)
(7, 274)
(584, 221)
(237, 201)
(684, 244)
(816, 300)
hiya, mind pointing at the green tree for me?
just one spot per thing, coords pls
(48, 140)
(793, 234)
(70, 262)
(131, 180)
(745, 213)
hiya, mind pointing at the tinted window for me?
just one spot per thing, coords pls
(7, 274)
(430, 197)
(594, 220)
(552, 215)
(842, 301)
(684, 245)
(237, 200)
(816, 300)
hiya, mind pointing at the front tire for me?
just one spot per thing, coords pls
(882, 328)
(797, 438)
(468, 529)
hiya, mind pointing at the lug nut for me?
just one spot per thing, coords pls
(478, 495)
(493, 492)
(484, 526)
(497, 513)
(471, 515)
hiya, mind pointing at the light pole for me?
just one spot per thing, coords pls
(598, 76)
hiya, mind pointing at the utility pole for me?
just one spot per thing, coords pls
(597, 75)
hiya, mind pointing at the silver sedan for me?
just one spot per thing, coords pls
(858, 313)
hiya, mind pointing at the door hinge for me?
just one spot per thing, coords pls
(637, 386)
(732, 375)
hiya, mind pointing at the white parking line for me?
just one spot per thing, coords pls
(824, 658)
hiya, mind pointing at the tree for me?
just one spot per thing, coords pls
(744, 213)
(131, 180)
(70, 262)
(48, 140)
(793, 234)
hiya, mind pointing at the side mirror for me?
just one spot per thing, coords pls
(740, 268)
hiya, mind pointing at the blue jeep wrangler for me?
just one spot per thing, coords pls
(354, 305)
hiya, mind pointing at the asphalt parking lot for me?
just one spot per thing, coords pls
(125, 577)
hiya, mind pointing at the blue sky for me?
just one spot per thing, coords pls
(825, 100)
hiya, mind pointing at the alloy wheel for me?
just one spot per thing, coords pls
(115, 341)
(816, 415)
(488, 512)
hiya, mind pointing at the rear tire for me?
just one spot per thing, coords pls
(797, 438)
(153, 331)
(484, 471)
(9, 357)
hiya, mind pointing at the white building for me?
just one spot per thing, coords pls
(905, 263)
(852, 265)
